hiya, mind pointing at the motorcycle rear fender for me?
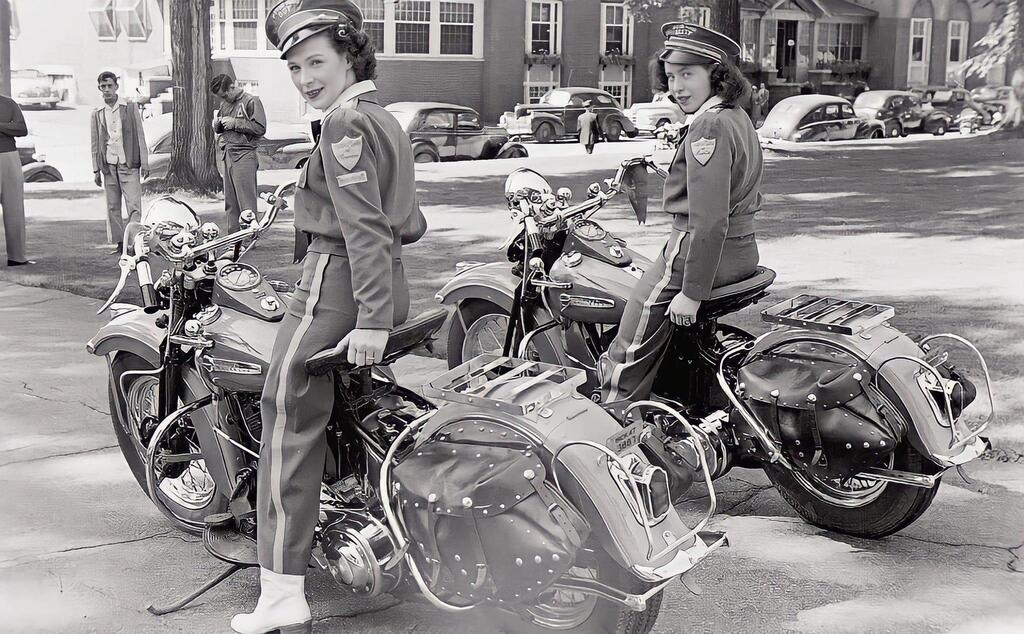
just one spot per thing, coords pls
(927, 434)
(130, 330)
(585, 478)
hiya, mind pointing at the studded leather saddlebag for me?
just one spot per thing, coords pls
(815, 399)
(485, 524)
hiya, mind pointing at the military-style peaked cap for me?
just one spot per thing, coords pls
(687, 43)
(292, 21)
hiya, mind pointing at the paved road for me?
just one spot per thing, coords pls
(82, 549)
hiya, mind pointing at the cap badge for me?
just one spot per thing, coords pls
(682, 30)
(281, 10)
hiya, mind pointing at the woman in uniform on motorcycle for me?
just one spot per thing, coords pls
(356, 200)
(712, 191)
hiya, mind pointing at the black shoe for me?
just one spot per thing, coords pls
(119, 250)
(16, 263)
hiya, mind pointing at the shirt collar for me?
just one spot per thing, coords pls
(707, 105)
(117, 104)
(350, 94)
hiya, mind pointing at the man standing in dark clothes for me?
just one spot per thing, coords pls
(12, 181)
(589, 128)
(241, 123)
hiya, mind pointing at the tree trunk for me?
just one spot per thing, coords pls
(5, 48)
(725, 18)
(193, 154)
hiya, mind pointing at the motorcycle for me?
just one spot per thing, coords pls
(853, 421)
(500, 488)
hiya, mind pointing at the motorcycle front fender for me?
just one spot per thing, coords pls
(492, 282)
(129, 330)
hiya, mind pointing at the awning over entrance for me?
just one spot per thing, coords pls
(816, 8)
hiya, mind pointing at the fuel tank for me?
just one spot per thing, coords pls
(240, 355)
(602, 272)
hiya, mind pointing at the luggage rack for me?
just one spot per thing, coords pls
(504, 384)
(828, 314)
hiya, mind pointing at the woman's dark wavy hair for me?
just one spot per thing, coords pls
(358, 47)
(726, 80)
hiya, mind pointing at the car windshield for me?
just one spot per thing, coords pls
(869, 100)
(942, 96)
(27, 73)
(556, 98)
(786, 115)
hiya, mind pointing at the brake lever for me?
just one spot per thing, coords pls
(127, 264)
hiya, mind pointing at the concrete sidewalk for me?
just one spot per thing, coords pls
(83, 550)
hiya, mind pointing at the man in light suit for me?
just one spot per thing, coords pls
(119, 156)
(590, 129)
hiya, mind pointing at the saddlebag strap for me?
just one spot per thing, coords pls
(816, 433)
(554, 507)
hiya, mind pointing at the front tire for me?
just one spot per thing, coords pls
(940, 129)
(545, 133)
(484, 323)
(880, 510)
(187, 493)
(563, 611)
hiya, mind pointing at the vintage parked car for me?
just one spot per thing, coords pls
(651, 115)
(555, 117)
(30, 87)
(952, 101)
(449, 132)
(285, 146)
(817, 118)
(33, 164)
(901, 113)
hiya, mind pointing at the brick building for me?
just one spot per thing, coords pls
(492, 54)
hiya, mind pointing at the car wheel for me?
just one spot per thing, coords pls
(45, 175)
(877, 134)
(940, 129)
(426, 155)
(513, 153)
(903, 131)
(613, 131)
(545, 133)
(897, 130)
(662, 122)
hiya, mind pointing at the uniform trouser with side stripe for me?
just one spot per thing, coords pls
(296, 408)
(12, 204)
(630, 366)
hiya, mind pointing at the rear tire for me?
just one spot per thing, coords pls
(877, 134)
(605, 617)
(613, 131)
(897, 130)
(545, 133)
(894, 507)
(940, 130)
(426, 155)
(186, 510)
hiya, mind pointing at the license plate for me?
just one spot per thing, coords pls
(629, 437)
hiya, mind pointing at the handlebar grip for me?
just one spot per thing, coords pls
(533, 240)
(150, 300)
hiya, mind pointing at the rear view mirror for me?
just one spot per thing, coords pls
(634, 183)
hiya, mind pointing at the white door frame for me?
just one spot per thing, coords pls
(918, 72)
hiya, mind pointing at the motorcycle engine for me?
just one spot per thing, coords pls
(358, 549)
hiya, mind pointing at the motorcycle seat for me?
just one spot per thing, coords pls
(738, 295)
(403, 339)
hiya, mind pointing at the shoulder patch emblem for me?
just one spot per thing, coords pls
(347, 151)
(703, 149)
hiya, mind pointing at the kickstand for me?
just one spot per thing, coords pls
(206, 587)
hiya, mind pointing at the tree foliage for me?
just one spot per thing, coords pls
(1003, 44)
(725, 14)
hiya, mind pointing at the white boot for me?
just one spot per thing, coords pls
(282, 606)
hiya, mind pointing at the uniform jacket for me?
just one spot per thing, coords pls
(357, 198)
(713, 188)
(245, 121)
(133, 138)
(589, 128)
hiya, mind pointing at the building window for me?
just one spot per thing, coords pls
(133, 16)
(540, 78)
(373, 21)
(238, 25)
(101, 14)
(839, 43)
(618, 82)
(748, 39)
(957, 48)
(543, 28)
(696, 15)
(616, 30)
(456, 28)
(412, 27)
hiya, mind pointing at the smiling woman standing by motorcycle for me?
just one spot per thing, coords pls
(712, 191)
(356, 200)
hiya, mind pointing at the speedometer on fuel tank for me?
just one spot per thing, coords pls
(238, 277)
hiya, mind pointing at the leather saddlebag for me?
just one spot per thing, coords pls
(484, 523)
(813, 397)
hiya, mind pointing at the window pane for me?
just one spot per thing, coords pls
(614, 39)
(456, 13)
(245, 10)
(412, 38)
(456, 39)
(245, 36)
(540, 36)
(376, 32)
(373, 10)
(413, 11)
(540, 12)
